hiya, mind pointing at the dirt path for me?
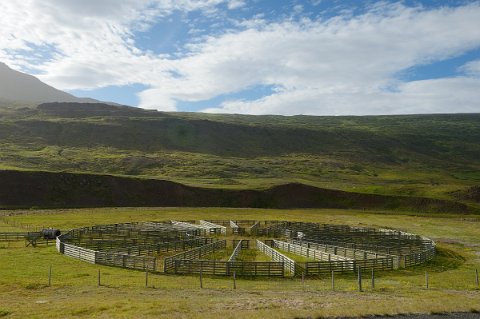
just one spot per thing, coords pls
(457, 315)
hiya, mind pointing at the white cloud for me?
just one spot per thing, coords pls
(298, 8)
(154, 99)
(327, 67)
(93, 40)
(472, 68)
(450, 95)
(343, 65)
(235, 4)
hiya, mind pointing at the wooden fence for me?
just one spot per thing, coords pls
(326, 267)
(254, 228)
(135, 245)
(350, 253)
(31, 238)
(148, 249)
(305, 251)
(419, 258)
(237, 230)
(289, 264)
(196, 253)
(81, 253)
(126, 261)
(387, 242)
(245, 243)
(106, 258)
(14, 236)
(225, 268)
(236, 251)
(205, 230)
(189, 263)
(223, 229)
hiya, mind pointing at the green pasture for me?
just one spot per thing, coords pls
(24, 290)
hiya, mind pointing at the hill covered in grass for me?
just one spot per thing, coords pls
(67, 190)
(433, 156)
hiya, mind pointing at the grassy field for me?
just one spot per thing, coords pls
(74, 291)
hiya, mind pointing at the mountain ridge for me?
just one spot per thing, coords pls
(16, 86)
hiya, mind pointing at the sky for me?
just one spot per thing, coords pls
(315, 57)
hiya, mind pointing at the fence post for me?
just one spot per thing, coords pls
(99, 284)
(234, 280)
(476, 277)
(373, 278)
(333, 280)
(146, 278)
(303, 281)
(201, 278)
(50, 276)
(426, 279)
(360, 279)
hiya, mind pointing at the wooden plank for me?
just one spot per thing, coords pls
(289, 264)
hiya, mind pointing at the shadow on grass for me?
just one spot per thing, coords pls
(444, 260)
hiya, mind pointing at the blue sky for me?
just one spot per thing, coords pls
(319, 57)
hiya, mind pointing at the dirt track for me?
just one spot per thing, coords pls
(457, 315)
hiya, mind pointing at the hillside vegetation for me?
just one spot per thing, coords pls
(62, 190)
(416, 155)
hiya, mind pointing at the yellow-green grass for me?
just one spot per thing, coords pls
(295, 257)
(74, 290)
(222, 254)
(252, 255)
(4, 227)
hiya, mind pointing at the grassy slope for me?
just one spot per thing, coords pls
(23, 189)
(425, 155)
(23, 274)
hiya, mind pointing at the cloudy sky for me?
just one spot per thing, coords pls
(321, 57)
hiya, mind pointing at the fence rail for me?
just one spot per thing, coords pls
(349, 253)
(14, 236)
(196, 253)
(288, 264)
(419, 258)
(147, 249)
(236, 251)
(201, 227)
(106, 258)
(210, 225)
(326, 267)
(84, 254)
(305, 251)
(226, 268)
(126, 261)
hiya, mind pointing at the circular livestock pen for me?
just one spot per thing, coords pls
(245, 247)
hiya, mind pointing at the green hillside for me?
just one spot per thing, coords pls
(417, 155)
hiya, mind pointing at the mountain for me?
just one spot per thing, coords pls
(20, 87)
